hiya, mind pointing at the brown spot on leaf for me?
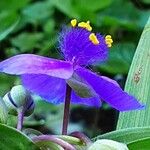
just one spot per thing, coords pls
(148, 55)
(137, 75)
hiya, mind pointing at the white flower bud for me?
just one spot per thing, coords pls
(19, 98)
(107, 145)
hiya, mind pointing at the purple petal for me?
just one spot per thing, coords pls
(34, 64)
(50, 88)
(93, 101)
(110, 80)
(53, 90)
(76, 46)
(109, 92)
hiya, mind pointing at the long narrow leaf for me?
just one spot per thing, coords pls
(138, 84)
(126, 135)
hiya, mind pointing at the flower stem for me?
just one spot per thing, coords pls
(66, 110)
(20, 119)
(54, 139)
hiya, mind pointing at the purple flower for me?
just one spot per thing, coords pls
(47, 77)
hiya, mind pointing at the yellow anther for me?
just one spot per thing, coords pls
(85, 25)
(93, 39)
(88, 22)
(88, 27)
(109, 45)
(82, 24)
(73, 22)
(108, 37)
(108, 40)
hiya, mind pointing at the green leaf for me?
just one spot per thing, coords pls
(126, 135)
(49, 27)
(38, 12)
(13, 5)
(12, 139)
(120, 16)
(137, 84)
(9, 22)
(66, 7)
(27, 41)
(3, 112)
(120, 57)
(90, 5)
(142, 144)
(7, 31)
(82, 9)
(6, 83)
(87, 9)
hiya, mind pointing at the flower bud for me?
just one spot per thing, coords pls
(19, 98)
(107, 145)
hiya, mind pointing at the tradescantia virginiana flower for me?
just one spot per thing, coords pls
(48, 77)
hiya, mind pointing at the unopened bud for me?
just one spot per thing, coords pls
(107, 145)
(19, 98)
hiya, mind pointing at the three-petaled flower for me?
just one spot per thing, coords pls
(48, 77)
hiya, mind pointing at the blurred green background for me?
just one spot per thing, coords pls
(32, 26)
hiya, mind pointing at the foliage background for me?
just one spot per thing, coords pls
(32, 26)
